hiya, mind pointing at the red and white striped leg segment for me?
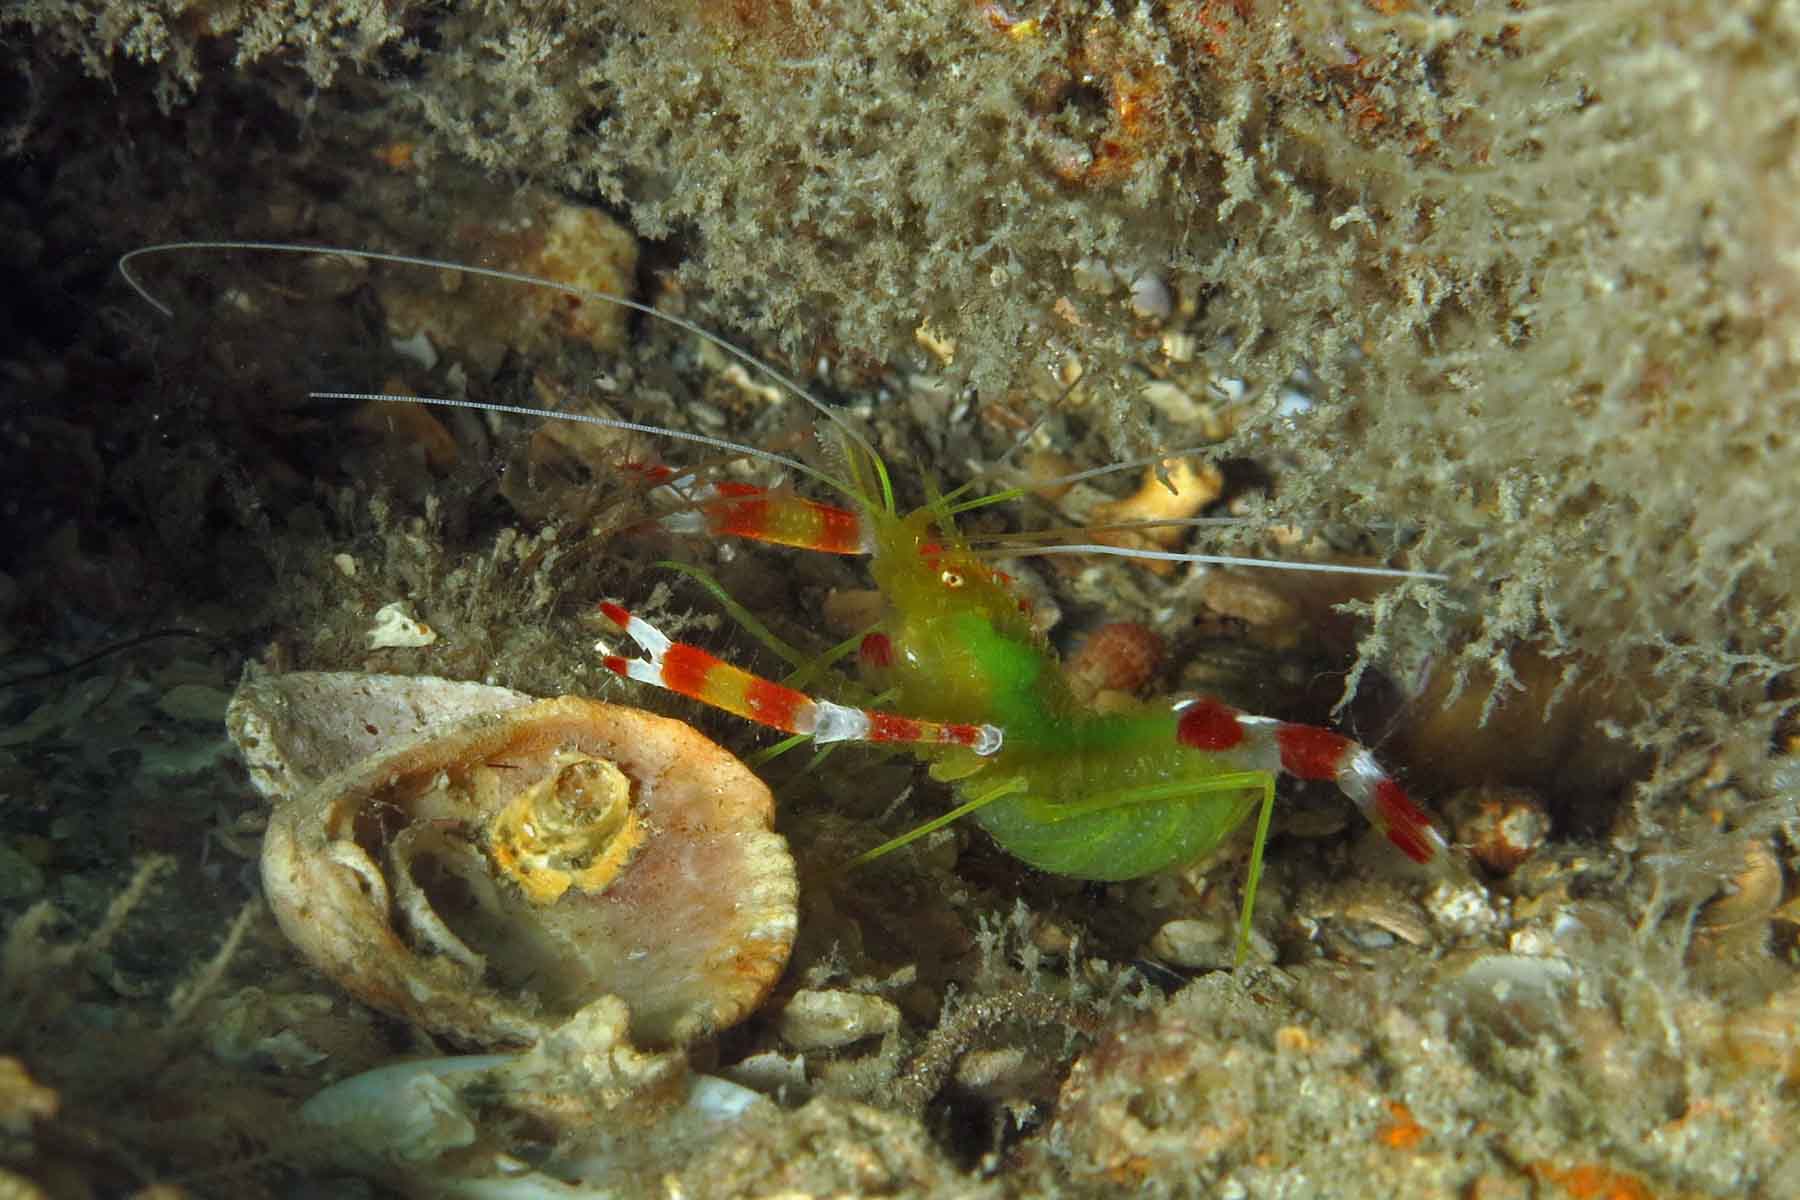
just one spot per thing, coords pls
(760, 514)
(1308, 752)
(690, 671)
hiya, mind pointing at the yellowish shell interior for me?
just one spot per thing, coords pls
(575, 827)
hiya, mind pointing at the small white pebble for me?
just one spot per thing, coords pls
(1192, 944)
(1293, 403)
(1532, 940)
(826, 1020)
(1150, 298)
(1462, 907)
(418, 347)
(770, 1073)
(346, 564)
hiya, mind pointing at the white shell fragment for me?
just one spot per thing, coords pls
(772, 1074)
(293, 730)
(581, 1116)
(395, 628)
(490, 877)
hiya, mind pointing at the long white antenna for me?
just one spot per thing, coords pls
(749, 360)
(1225, 560)
(678, 435)
(519, 277)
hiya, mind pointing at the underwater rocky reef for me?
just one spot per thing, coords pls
(1504, 293)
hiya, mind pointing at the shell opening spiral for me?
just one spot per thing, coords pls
(575, 827)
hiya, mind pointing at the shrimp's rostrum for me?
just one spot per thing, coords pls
(968, 683)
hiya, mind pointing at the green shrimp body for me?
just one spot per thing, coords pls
(1104, 796)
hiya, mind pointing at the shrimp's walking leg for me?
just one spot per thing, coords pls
(1004, 788)
(688, 670)
(1308, 752)
(1232, 781)
(805, 665)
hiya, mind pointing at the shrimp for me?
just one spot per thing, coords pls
(971, 686)
(979, 694)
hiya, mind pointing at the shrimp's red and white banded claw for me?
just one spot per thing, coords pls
(687, 670)
(1308, 752)
(763, 514)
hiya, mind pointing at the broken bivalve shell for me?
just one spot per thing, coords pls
(294, 729)
(583, 1115)
(488, 880)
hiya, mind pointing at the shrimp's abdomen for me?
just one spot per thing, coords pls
(1113, 797)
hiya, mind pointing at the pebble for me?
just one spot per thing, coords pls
(1501, 826)
(770, 1073)
(1150, 298)
(1192, 944)
(827, 1020)
(194, 702)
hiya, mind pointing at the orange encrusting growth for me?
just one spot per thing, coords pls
(1403, 1132)
(1593, 1182)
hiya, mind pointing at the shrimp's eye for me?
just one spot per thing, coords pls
(951, 579)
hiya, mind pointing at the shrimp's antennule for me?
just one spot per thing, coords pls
(677, 435)
(1230, 560)
(750, 360)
